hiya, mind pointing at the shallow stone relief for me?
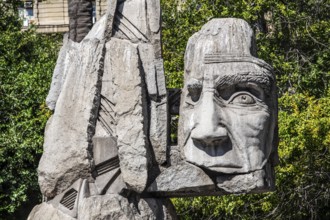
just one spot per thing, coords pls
(107, 152)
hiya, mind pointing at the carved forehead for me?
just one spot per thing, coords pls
(225, 48)
(231, 72)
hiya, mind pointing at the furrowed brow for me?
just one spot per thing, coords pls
(263, 79)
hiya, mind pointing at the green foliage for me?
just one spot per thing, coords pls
(26, 63)
(293, 36)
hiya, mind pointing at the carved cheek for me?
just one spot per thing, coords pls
(187, 118)
(191, 121)
(248, 131)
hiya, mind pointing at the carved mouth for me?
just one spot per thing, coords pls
(214, 148)
(221, 152)
(227, 165)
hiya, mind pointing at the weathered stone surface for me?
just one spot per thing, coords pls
(158, 132)
(175, 155)
(181, 178)
(130, 21)
(146, 52)
(228, 112)
(104, 113)
(139, 22)
(47, 211)
(69, 131)
(153, 14)
(155, 81)
(129, 106)
(98, 29)
(58, 74)
(160, 75)
(109, 206)
(257, 181)
(62, 63)
(117, 207)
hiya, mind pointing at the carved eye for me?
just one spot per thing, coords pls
(243, 99)
(195, 94)
(194, 88)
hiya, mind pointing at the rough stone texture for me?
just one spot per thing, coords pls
(139, 22)
(69, 131)
(146, 52)
(158, 133)
(257, 181)
(175, 155)
(47, 211)
(110, 206)
(182, 179)
(118, 207)
(106, 89)
(130, 21)
(228, 112)
(155, 81)
(58, 74)
(129, 105)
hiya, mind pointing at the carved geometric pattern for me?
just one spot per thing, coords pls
(69, 199)
(106, 114)
(220, 58)
(107, 166)
(127, 28)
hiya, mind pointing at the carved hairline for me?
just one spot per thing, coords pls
(219, 58)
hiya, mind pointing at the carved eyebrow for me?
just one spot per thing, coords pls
(194, 84)
(264, 80)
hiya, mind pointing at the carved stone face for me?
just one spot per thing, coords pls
(227, 118)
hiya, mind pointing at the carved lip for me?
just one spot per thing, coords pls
(216, 148)
(226, 165)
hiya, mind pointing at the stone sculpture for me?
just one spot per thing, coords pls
(228, 116)
(106, 150)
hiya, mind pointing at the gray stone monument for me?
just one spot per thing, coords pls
(106, 149)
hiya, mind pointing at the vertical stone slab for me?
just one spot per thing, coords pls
(69, 132)
(155, 81)
(58, 74)
(138, 21)
(123, 85)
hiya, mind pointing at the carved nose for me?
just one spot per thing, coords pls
(208, 127)
(210, 137)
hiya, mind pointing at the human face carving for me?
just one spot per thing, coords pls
(226, 118)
